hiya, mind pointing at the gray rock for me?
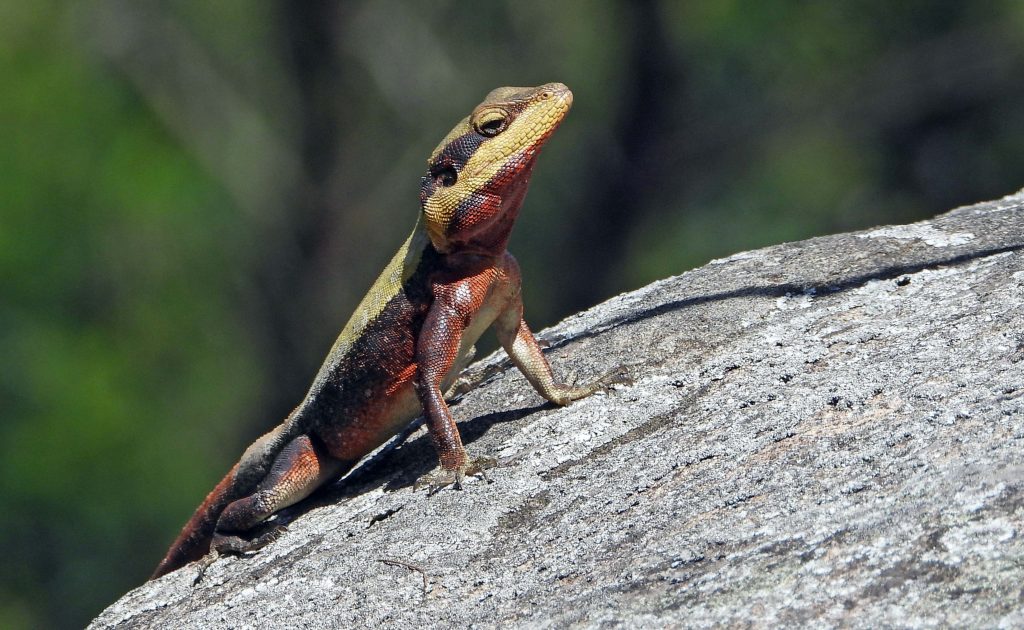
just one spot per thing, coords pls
(828, 432)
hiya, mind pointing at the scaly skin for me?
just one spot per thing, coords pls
(405, 342)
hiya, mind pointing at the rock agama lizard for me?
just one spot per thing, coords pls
(410, 335)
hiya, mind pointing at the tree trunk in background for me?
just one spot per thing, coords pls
(621, 182)
(287, 284)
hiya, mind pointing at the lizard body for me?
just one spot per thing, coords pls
(411, 333)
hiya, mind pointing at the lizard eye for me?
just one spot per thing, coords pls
(491, 123)
(492, 128)
(446, 176)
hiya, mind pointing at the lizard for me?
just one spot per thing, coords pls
(410, 335)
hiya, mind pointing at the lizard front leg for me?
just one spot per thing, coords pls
(436, 350)
(520, 344)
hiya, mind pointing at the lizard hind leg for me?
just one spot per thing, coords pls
(300, 468)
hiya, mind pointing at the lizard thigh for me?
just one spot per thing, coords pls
(299, 469)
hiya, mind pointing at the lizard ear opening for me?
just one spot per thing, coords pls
(445, 176)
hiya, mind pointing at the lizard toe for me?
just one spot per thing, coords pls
(453, 477)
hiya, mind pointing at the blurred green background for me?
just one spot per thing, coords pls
(194, 195)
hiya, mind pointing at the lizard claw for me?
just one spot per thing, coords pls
(618, 376)
(473, 466)
(203, 564)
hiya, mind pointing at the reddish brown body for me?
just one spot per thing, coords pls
(403, 345)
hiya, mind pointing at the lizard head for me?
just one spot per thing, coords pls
(477, 177)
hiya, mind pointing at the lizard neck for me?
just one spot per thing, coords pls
(490, 237)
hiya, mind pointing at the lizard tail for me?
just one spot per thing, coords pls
(194, 540)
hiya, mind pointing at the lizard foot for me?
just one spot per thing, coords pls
(473, 466)
(203, 564)
(617, 376)
(233, 545)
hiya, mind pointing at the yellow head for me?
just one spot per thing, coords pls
(478, 175)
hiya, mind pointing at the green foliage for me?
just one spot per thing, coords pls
(114, 349)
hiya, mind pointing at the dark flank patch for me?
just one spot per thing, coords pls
(382, 352)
